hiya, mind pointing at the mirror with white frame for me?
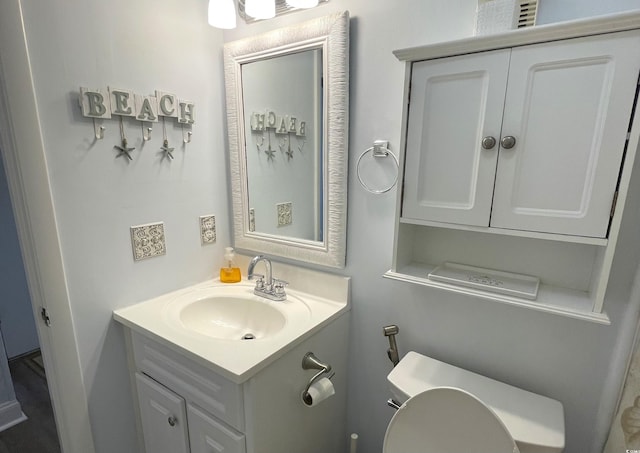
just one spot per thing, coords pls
(287, 117)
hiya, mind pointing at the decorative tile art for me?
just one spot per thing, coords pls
(284, 214)
(148, 241)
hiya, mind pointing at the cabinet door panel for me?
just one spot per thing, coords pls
(164, 418)
(454, 103)
(209, 435)
(568, 106)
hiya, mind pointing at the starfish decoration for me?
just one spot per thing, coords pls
(167, 151)
(124, 150)
(270, 154)
(289, 151)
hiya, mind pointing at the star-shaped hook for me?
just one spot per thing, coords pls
(270, 154)
(124, 150)
(288, 151)
(167, 151)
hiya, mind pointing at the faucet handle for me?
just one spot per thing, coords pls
(279, 285)
(259, 281)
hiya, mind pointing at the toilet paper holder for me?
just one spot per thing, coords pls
(311, 362)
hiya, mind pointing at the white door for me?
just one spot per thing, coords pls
(208, 435)
(454, 103)
(164, 418)
(567, 106)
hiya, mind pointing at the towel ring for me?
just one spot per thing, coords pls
(380, 149)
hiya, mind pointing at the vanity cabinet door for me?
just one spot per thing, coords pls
(164, 418)
(455, 103)
(209, 435)
(568, 106)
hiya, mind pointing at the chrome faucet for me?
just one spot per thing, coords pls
(266, 285)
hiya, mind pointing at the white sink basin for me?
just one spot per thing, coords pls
(207, 321)
(234, 313)
(232, 318)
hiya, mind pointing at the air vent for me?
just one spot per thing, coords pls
(528, 11)
(498, 16)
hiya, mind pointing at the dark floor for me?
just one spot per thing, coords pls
(38, 433)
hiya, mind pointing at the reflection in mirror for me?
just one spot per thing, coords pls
(283, 136)
(287, 115)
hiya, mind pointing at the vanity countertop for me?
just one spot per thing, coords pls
(325, 296)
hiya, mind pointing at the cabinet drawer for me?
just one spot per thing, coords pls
(215, 394)
(206, 434)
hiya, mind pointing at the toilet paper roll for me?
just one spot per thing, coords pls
(318, 392)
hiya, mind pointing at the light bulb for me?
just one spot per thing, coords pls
(222, 14)
(302, 3)
(260, 9)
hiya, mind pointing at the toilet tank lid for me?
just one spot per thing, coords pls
(530, 418)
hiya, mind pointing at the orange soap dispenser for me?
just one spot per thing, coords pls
(229, 273)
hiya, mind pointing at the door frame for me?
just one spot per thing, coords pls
(25, 162)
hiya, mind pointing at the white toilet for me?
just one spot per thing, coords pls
(446, 409)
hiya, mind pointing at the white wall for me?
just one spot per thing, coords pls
(562, 10)
(147, 45)
(16, 316)
(142, 46)
(566, 359)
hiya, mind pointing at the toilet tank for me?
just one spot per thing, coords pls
(535, 422)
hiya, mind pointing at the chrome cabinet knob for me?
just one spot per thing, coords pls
(508, 141)
(488, 142)
(172, 421)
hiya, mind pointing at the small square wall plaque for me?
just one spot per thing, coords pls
(148, 241)
(284, 214)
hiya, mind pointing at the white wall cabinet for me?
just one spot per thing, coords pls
(454, 102)
(566, 106)
(515, 148)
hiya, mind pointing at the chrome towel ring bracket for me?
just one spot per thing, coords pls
(379, 150)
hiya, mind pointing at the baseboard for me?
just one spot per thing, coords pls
(11, 414)
(24, 355)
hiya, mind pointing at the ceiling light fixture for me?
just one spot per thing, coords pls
(302, 3)
(261, 9)
(222, 14)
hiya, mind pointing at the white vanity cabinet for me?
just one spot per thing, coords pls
(516, 157)
(164, 417)
(207, 435)
(526, 138)
(184, 406)
(171, 425)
